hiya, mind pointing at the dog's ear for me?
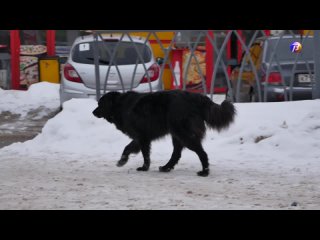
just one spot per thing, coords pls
(107, 105)
(109, 98)
(113, 96)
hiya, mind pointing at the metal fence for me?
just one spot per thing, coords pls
(248, 65)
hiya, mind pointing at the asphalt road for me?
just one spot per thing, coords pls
(15, 128)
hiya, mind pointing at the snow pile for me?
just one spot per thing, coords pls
(42, 94)
(290, 129)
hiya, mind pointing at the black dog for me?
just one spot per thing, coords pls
(145, 117)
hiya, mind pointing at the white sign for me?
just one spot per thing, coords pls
(84, 47)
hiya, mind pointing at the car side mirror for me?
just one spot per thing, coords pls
(159, 60)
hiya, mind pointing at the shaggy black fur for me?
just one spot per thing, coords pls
(145, 117)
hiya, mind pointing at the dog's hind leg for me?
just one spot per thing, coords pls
(145, 149)
(190, 134)
(176, 155)
(196, 146)
(132, 147)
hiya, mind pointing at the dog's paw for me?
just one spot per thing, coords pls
(164, 169)
(122, 161)
(143, 168)
(203, 173)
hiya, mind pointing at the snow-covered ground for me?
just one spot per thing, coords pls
(42, 94)
(22, 111)
(268, 159)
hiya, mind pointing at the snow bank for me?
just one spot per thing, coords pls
(21, 102)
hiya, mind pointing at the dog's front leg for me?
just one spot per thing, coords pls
(145, 149)
(132, 147)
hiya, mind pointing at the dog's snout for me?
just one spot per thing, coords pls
(96, 113)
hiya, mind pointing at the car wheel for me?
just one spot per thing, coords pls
(251, 95)
(255, 95)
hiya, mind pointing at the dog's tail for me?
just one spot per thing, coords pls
(219, 116)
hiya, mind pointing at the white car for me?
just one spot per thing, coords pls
(78, 78)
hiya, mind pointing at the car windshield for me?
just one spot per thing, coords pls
(283, 52)
(126, 53)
